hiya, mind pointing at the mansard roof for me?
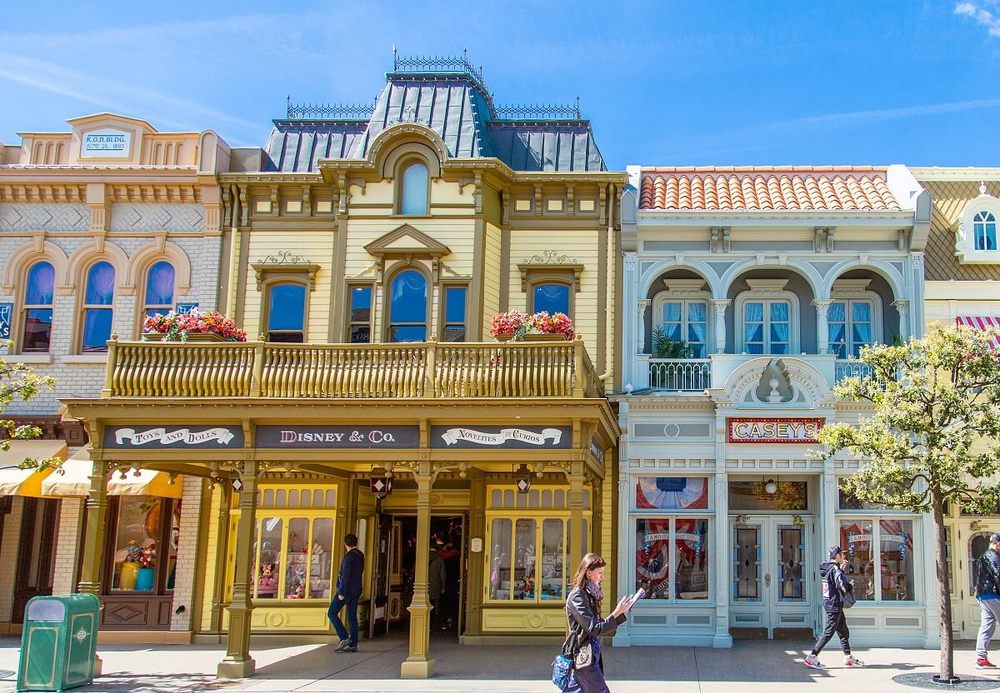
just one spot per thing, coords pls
(815, 188)
(450, 97)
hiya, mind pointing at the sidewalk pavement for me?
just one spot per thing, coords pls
(750, 666)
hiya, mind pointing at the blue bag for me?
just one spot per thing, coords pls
(562, 674)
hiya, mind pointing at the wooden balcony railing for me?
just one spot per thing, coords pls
(359, 371)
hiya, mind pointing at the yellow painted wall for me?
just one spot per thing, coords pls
(491, 276)
(209, 560)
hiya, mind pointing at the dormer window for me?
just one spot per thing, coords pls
(976, 240)
(415, 187)
(984, 231)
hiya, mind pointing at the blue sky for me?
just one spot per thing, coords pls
(664, 83)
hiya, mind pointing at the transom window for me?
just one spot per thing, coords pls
(553, 298)
(159, 289)
(767, 326)
(413, 196)
(97, 311)
(408, 307)
(687, 322)
(38, 308)
(984, 231)
(851, 326)
(286, 308)
(361, 314)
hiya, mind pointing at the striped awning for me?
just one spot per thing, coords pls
(27, 482)
(980, 322)
(74, 480)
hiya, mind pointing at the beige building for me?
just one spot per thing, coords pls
(100, 225)
(962, 270)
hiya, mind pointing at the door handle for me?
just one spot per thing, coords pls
(767, 580)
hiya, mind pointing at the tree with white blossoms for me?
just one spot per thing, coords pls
(933, 437)
(19, 382)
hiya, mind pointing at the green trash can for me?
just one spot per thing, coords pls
(58, 643)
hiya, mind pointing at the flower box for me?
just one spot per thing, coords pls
(517, 326)
(193, 326)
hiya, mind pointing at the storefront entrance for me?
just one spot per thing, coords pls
(394, 569)
(771, 597)
(36, 553)
(973, 539)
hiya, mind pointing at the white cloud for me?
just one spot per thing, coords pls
(981, 15)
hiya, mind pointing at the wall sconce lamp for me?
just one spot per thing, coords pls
(523, 478)
(771, 487)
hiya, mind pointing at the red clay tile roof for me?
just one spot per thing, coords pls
(766, 188)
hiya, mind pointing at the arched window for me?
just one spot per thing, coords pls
(553, 298)
(159, 289)
(286, 313)
(38, 308)
(984, 231)
(413, 196)
(408, 307)
(97, 310)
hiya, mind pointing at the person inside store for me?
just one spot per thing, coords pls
(349, 588)
(587, 627)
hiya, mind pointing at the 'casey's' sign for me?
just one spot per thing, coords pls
(774, 430)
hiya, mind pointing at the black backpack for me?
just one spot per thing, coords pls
(986, 577)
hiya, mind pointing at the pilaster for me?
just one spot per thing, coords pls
(238, 663)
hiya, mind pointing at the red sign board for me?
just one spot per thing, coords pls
(763, 430)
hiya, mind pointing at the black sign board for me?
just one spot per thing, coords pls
(504, 437)
(282, 437)
(173, 437)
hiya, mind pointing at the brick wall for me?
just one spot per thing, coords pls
(8, 557)
(187, 573)
(68, 545)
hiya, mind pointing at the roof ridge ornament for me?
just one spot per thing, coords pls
(325, 111)
(982, 188)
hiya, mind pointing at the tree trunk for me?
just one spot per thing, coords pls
(947, 670)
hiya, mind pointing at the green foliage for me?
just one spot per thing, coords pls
(19, 382)
(936, 422)
(666, 348)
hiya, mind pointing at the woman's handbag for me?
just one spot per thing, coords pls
(849, 598)
(562, 672)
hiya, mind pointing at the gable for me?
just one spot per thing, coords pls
(407, 240)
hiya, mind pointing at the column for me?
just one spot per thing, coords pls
(642, 305)
(67, 545)
(822, 326)
(625, 565)
(903, 307)
(93, 541)
(476, 570)
(640, 358)
(576, 539)
(723, 563)
(238, 663)
(418, 664)
(719, 307)
(221, 546)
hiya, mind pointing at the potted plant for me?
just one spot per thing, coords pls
(665, 347)
(181, 327)
(556, 324)
(516, 326)
(509, 325)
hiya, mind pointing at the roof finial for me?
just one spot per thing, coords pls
(982, 188)
(395, 59)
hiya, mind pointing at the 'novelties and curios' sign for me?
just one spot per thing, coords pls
(173, 437)
(113, 144)
(338, 436)
(774, 430)
(501, 437)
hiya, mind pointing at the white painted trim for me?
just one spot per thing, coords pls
(965, 240)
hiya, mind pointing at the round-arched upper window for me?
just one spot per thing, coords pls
(413, 196)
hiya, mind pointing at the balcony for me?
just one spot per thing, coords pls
(697, 375)
(350, 371)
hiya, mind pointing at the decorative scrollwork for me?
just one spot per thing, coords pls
(285, 257)
(550, 257)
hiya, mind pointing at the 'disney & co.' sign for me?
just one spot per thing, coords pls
(759, 430)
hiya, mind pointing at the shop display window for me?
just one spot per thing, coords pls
(528, 559)
(672, 558)
(881, 547)
(143, 544)
(753, 495)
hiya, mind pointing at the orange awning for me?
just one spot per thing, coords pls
(27, 482)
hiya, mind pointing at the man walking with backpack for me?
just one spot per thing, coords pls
(835, 586)
(988, 595)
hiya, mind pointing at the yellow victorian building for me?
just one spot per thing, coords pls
(366, 251)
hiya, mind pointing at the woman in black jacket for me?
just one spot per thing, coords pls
(583, 610)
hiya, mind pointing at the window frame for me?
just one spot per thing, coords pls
(85, 307)
(916, 587)
(351, 324)
(533, 274)
(702, 297)
(269, 273)
(144, 290)
(266, 303)
(965, 238)
(986, 219)
(443, 322)
(767, 293)
(387, 304)
(22, 316)
(163, 540)
(401, 169)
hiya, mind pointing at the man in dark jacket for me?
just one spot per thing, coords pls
(988, 595)
(349, 588)
(437, 584)
(835, 586)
